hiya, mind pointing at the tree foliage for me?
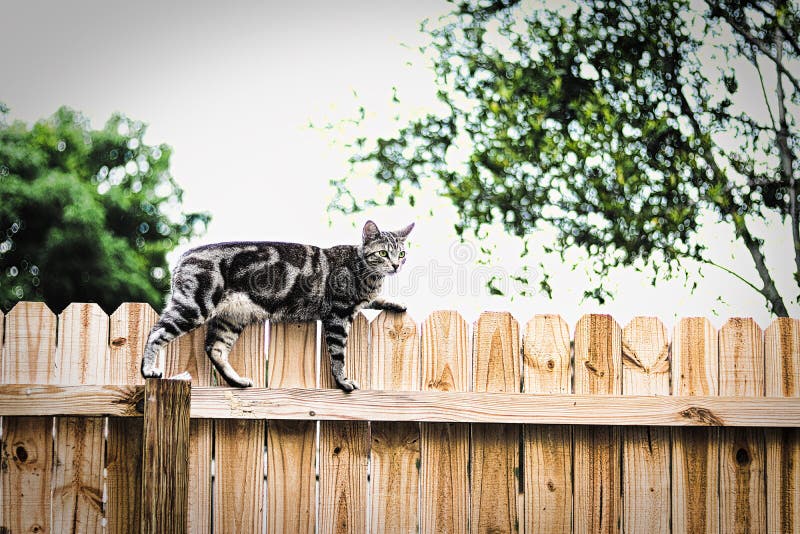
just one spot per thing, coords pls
(86, 215)
(617, 122)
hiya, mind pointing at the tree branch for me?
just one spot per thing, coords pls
(754, 60)
(789, 38)
(729, 271)
(754, 41)
(769, 291)
(787, 163)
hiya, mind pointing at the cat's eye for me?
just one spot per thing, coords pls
(402, 254)
(383, 253)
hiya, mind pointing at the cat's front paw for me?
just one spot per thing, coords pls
(240, 382)
(347, 385)
(152, 372)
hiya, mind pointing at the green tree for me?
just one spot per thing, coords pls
(84, 214)
(617, 122)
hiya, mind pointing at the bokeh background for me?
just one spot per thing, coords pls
(255, 108)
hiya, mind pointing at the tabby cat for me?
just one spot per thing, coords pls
(230, 285)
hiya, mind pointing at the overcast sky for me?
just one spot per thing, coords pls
(233, 86)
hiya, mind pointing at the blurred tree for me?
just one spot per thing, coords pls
(86, 215)
(617, 122)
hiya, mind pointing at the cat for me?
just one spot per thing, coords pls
(231, 285)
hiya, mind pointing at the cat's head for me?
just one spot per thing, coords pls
(384, 251)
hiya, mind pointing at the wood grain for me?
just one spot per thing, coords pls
(742, 451)
(291, 445)
(395, 450)
(645, 450)
(344, 445)
(782, 364)
(695, 451)
(423, 406)
(239, 484)
(597, 450)
(546, 355)
(165, 461)
(495, 448)
(130, 325)
(187, 353)
(81, 358)
(27, 455)
(445, 365)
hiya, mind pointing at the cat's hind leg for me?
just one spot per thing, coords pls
(222, 333)
(336, 331)
(196, 289)
(177, 319)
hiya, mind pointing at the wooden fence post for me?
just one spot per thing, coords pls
(187, 353)
(695, 450)
(445, 366)
(645, 449)
(547, 448)
(742, 487)
(165, 463)
(344, 445)
(495, 448)
(291, 445)
(742, 457)
(238, 496)
(597, 449)
(81, 358)
(27, 455)
(130, 325)
(394, 453)
(782, 353)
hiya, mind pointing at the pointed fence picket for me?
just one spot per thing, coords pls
(389, 476)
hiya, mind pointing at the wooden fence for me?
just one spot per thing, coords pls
(494, 428)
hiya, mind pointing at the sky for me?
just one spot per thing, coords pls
(234, 87)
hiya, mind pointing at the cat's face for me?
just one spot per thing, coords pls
(384, 251)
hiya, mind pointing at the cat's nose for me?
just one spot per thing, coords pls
(396, 266)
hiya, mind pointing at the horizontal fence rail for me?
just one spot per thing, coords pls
(421, 406)
(494, 426)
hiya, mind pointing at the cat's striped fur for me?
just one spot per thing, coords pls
(230, 285)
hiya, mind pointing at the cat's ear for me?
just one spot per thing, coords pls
(402, 234)
(370, 232)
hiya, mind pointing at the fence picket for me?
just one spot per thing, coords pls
(130, 325)
(187, 353)
(547, 448)
(495, 448)
(344, 445)
(291, 491)
(782, 359)
(597, 450)
(742, 450)
(81, 358)
(444, 447)
(695, 450)
(28, 441)
(574, 478)
(395, 454)
(645, 450)
(239, 444)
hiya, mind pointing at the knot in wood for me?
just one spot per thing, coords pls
(400, 334)
(594, 370)
(743, 457)
(702, 416)
(21, 454)
(119, 342)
